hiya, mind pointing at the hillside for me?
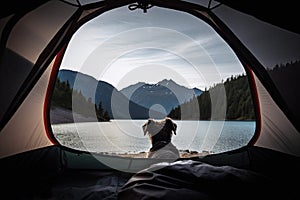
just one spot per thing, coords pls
(98, 93)
(239, 102)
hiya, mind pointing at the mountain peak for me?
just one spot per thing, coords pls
(166, 93)
(166, 82)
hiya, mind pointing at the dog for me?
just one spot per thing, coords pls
(160, 135)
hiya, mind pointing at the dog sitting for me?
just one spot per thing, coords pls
(160, 134)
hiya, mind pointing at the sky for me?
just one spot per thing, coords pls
(123, 47)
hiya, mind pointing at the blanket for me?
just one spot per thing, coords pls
(190, 179)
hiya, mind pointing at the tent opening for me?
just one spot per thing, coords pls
(124, 67)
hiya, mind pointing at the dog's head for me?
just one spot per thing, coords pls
(160, 130)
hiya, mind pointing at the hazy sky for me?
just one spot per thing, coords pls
(124, 47)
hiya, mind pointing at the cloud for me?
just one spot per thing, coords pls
(120, 42)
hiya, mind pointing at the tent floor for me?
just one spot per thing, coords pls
(71, 184)
(44, 174)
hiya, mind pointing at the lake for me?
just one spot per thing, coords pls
(126, 136)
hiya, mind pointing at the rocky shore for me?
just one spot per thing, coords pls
(183, 154)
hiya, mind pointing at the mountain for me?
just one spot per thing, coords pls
(166, 93)
(114, 102)
(197, 92)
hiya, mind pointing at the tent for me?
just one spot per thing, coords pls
(34, 37)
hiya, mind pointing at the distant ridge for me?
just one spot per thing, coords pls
(166, 93)
(113, 101)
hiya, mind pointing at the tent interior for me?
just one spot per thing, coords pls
(263, 41)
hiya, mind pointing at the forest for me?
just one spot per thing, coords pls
(65, 97)
(239, 104)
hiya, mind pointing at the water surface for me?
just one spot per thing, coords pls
(126, 136)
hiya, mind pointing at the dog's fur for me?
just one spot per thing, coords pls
(160, 135)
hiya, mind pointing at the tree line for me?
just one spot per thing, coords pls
(239, 104)
(65, 97)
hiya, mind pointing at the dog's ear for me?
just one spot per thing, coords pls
(171, 125)
(174, 128)
(145, 126)
(145, 129)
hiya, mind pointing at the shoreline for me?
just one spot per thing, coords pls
(59, 115)
(183, 154)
